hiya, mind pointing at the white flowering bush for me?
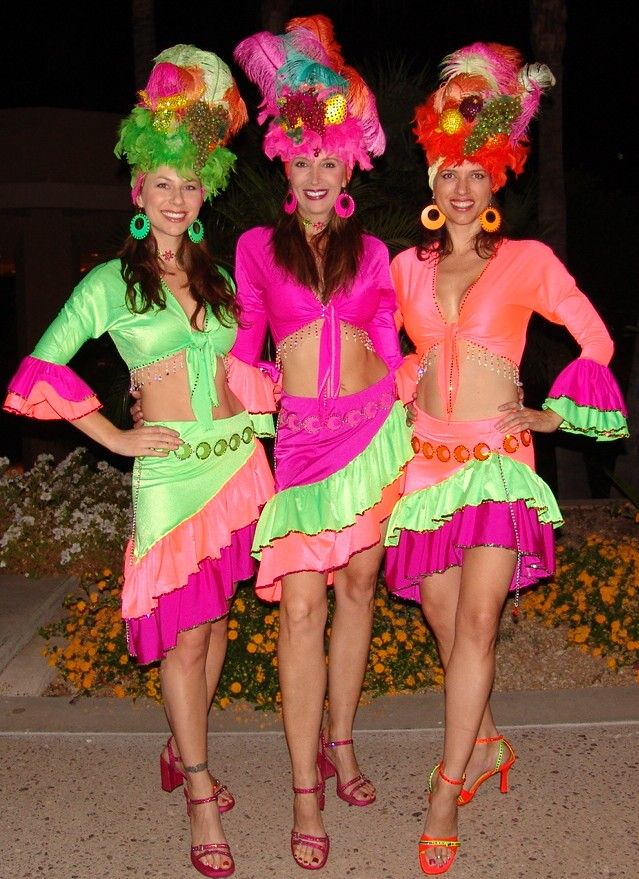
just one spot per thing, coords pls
(63, 518)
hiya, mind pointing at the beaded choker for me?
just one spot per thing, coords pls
(313, 226)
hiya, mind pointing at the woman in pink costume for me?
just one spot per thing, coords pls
(324, 291)
(200, 478)
(475, 521)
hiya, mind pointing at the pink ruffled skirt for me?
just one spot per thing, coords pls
(469, 485)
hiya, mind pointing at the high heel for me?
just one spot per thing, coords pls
(171, 778)
(501, 767)
(327, 769)
(209, 848)
(448, 842)
(319, 843)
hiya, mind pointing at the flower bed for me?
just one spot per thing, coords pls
(93, 657)
(64, 519)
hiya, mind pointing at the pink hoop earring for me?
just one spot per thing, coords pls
(345, 205)
(290, 202)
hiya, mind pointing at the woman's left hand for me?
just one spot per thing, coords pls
(520, 417)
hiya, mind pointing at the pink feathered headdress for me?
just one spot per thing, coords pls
(481, 111)
(314, 100)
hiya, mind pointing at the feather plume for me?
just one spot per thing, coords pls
(260, 57)
(320, 29)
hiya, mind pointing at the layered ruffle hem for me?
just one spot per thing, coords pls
(469, 486)
(195, 518)
(339, 467)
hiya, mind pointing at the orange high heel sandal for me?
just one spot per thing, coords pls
(171, 778)
(209, 848)
(451, 843)
(320, 843)
(328, 769)
(500, 766)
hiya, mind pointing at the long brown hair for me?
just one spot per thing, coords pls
(438, 241)
(141, 274)
(337, 248)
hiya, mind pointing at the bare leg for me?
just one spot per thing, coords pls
(348, 656)
(486, 575)
(213, 668)
(186, 698)
(440, 596)
(302, 673)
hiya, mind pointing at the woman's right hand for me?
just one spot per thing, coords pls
(141, 441)
(136, 410)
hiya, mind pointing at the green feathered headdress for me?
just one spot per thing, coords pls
(188, 112)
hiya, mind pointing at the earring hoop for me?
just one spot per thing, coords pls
(290, 203)
(195, 231)
(345, 205)
(490, 219)
(140, 226)
(432, 217)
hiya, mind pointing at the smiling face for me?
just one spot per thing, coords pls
(462, 192)
(171, 203)
(316, 182)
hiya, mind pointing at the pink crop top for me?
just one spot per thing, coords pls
(521, 278)
(270, 298)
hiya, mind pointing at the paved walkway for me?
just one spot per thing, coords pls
(79, 784)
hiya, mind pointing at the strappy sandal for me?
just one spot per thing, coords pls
(171, 778)
(328, 769)
(501, 766)
(503, 763)
(451, 843)
(319, 843)
(198, 852)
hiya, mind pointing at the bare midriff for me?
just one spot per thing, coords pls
(482, 382)
(166, 395)
(298, 356)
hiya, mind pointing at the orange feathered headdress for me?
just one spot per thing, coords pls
(481, 110)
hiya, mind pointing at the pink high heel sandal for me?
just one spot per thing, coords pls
(320, 843)
(171, 778)
(328, 769)
(209, 848)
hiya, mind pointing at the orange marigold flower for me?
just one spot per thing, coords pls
(232, 635)
(118, 691)
(251, 648)
(236, 687)
(378, 668)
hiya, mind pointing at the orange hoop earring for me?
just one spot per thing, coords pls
(432, 218)
(490, 219)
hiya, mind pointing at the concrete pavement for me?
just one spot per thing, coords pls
(81, 799)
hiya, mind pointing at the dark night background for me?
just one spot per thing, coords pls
(80, 55)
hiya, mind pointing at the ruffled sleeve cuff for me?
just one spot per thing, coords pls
(256, 388)
(48, 391)
(589, 400)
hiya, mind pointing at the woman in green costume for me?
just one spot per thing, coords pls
(200, 476)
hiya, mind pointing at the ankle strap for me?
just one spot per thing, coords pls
(489, 741)
(455, 782)
(217, 790)
(337, 743)
(308, 790)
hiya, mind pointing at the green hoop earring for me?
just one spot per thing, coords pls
(140, 226)
(196, 231)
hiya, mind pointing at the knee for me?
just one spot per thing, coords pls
(191, 648)
(479, 625)
(356, 588)
(300, 616)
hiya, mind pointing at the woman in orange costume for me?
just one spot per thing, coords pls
(475, 520)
